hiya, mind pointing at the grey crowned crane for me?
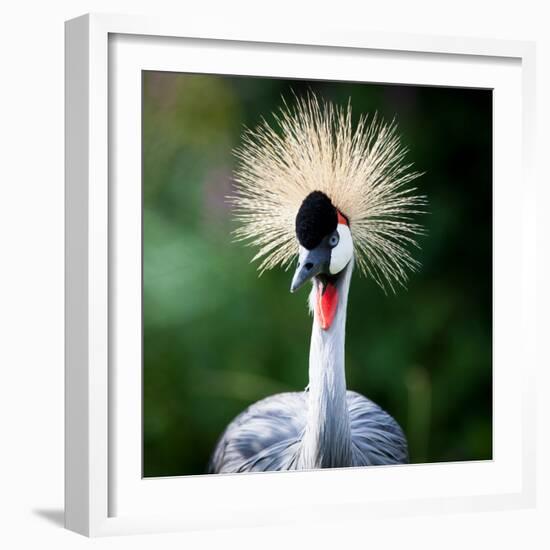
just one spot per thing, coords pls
(336, 197)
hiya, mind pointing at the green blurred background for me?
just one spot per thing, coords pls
(217, 337)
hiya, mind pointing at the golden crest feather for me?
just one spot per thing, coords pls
(315, 147)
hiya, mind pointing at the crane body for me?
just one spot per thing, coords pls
(341, 197)
(325, 426)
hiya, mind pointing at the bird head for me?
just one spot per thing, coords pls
(304, 186)
(326, 246)
(326, 249)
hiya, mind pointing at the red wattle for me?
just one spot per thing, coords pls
(327, 303)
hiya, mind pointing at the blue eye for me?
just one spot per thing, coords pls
(334, 239)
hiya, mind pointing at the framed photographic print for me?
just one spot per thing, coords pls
(290, 289)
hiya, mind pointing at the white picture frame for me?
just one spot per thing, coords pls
(105, 493)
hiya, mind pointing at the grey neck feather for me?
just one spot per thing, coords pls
(327, 437)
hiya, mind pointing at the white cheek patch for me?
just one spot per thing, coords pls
(342, 252)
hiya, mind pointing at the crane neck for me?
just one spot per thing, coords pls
(327, 437)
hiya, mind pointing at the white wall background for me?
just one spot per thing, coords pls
(31, 269)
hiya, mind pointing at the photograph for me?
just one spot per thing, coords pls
(317, 276)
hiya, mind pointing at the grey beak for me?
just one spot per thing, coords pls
(311, 263)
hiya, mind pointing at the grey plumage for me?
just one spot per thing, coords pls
(268, 435)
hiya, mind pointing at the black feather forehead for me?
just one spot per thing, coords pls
(316, 219)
